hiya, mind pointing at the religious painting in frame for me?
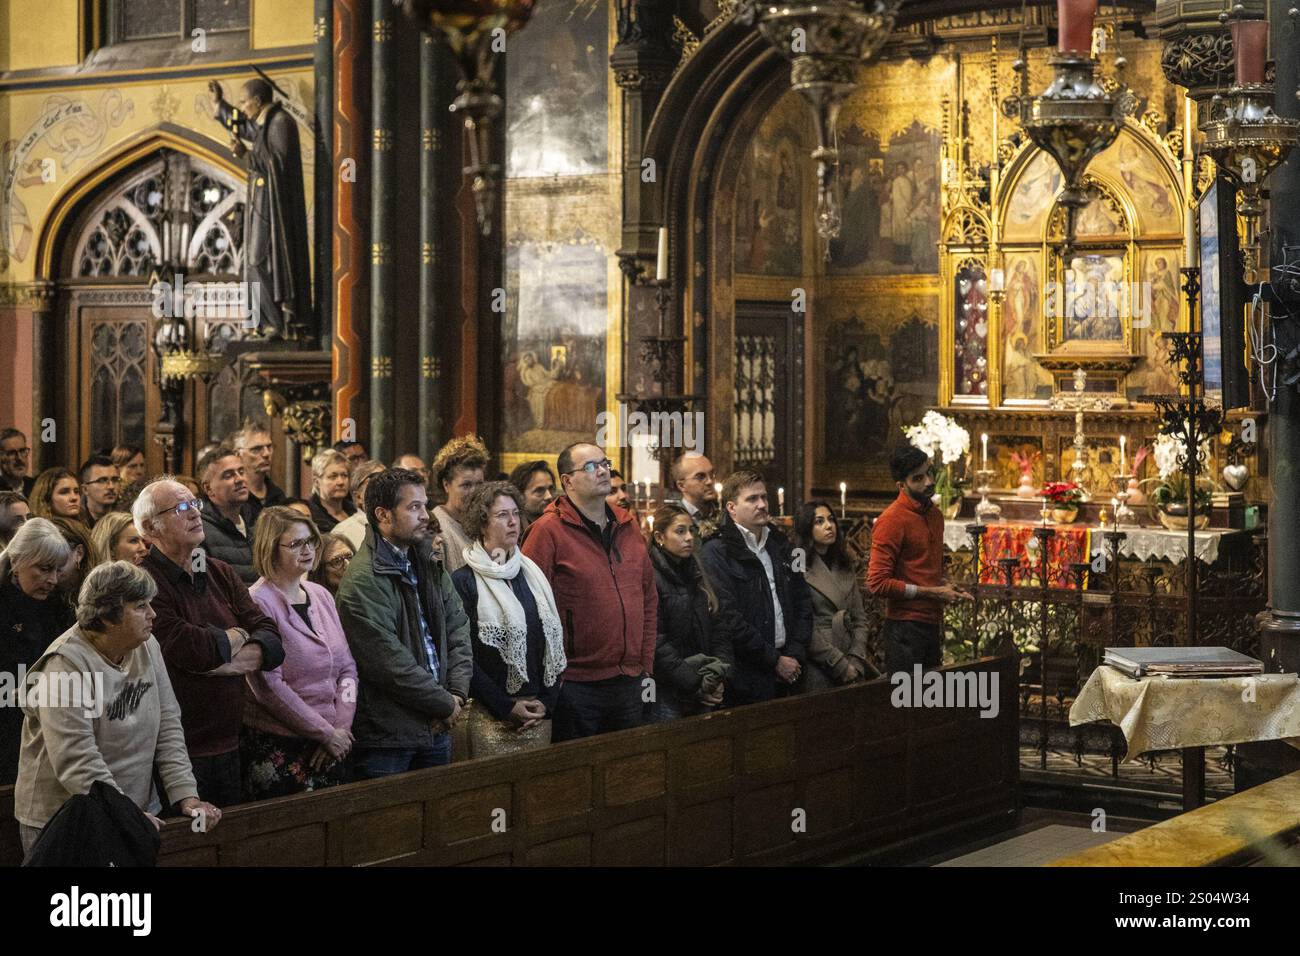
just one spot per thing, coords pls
(1024, 381)
(769, 192)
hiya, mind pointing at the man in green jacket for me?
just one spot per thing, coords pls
(408, 632)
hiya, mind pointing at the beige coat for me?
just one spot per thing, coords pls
(840, 633)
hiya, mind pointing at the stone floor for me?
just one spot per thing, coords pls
(1035, 848)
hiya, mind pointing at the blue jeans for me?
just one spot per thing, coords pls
(587, 708)
(386, 761)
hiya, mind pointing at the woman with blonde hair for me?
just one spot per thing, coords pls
(330, 480)
(56, 494)
(116, 538)
(298, 726)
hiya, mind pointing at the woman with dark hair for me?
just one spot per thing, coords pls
(336, 553)
(80, 560)
(130, 463)
(56, 494)
(692, 656)
(838, 654)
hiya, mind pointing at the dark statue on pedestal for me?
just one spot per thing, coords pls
(275, 213)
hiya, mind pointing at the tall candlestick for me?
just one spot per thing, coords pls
(661, 263)
(1123, 439)
(843, 495)
(780, 502)
(984, 451)
(1074, 19)
(1189, 239)
(1250, 50)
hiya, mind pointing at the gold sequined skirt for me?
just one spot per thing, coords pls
(489, 737)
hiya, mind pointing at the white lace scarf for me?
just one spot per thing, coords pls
(501, 622)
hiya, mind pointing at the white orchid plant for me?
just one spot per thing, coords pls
(947, 443)
(1170, 488)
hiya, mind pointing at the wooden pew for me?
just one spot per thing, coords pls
(723, 788)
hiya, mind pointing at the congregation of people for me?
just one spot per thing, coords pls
(251, 645)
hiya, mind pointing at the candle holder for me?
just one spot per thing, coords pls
(1122, 511)
(986, 510)
(1045, 512)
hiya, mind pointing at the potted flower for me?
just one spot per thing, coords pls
(1167, 496)
(947, 443)
(1064, 498)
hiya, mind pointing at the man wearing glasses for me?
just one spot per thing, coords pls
(210, 631)
(100, 485)
(14, 459)
(604, 586)
(253, 442)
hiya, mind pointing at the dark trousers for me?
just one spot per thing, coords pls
(218, 779)
(386, 761)
(587, 708)
(911, 642)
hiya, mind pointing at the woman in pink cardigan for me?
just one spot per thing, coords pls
(298, 724)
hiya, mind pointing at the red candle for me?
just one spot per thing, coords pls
(1074, 25)
(1250, 47)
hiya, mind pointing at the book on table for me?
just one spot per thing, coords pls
(1181, 662)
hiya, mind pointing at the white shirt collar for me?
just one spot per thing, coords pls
(755, 544)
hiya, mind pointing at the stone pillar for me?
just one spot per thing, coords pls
(433, 102)
(383, 168)
(45, 377)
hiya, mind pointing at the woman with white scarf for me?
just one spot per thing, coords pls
(518, 640)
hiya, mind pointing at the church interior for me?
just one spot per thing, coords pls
(1054, 245)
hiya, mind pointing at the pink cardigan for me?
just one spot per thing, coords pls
(315, 690)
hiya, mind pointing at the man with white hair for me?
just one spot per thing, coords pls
(210, 631)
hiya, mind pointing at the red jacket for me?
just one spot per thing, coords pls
(607, 600)
(907, 548)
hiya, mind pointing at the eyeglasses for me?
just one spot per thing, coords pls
(301, 544)
(591, 466)
(106, 480)
(338, 563)
(16, 452)
(189, 504)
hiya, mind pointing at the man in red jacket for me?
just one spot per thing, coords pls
(604, 584)
(906, 567)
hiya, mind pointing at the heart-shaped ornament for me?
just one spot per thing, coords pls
(1235, 476)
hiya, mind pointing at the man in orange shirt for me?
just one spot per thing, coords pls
(906, 567)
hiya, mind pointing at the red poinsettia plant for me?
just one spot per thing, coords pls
(1063, 494)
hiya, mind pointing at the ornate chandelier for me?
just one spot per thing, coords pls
(475, 31)
(825, 42)
(1245, 137)
(1075, 118)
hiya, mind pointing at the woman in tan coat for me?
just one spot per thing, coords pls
(838, 654)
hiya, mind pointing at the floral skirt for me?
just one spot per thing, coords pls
(275, 766)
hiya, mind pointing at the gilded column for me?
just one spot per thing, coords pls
(382, 202)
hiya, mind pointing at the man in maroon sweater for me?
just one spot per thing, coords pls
(906, 567)
(604, 585)
(210, 631)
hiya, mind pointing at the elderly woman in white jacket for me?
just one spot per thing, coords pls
(107, 711)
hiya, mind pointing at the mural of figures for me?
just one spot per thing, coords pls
(554, 363)
(891, 203)
(1093, 310)
(556, 93)
(769, 198)
(1032, 199)
(1161, 301)
(1022, 377)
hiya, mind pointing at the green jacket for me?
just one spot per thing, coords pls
(398, 698)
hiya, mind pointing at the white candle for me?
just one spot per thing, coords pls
(984, 448)
(1123, 440)
(843, 493)
(780, 502)
(650, 520)
(661, 263)
(717, 489)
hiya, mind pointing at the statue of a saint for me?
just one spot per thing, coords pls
(275, 214)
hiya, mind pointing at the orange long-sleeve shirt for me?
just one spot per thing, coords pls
(907, 548)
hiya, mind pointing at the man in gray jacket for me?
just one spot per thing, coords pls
(228, 515)
(408, 632)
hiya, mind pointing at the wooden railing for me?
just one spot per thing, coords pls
(809, 778)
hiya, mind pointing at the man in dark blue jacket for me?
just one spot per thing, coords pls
(228, 515)
(763, 600)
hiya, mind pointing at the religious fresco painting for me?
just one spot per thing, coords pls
(769, 192)
(1023, 378)
(1031, 201)
(555, 329)
(1162, 302)
(557, 92)
(1094, 307)
(890, 202)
